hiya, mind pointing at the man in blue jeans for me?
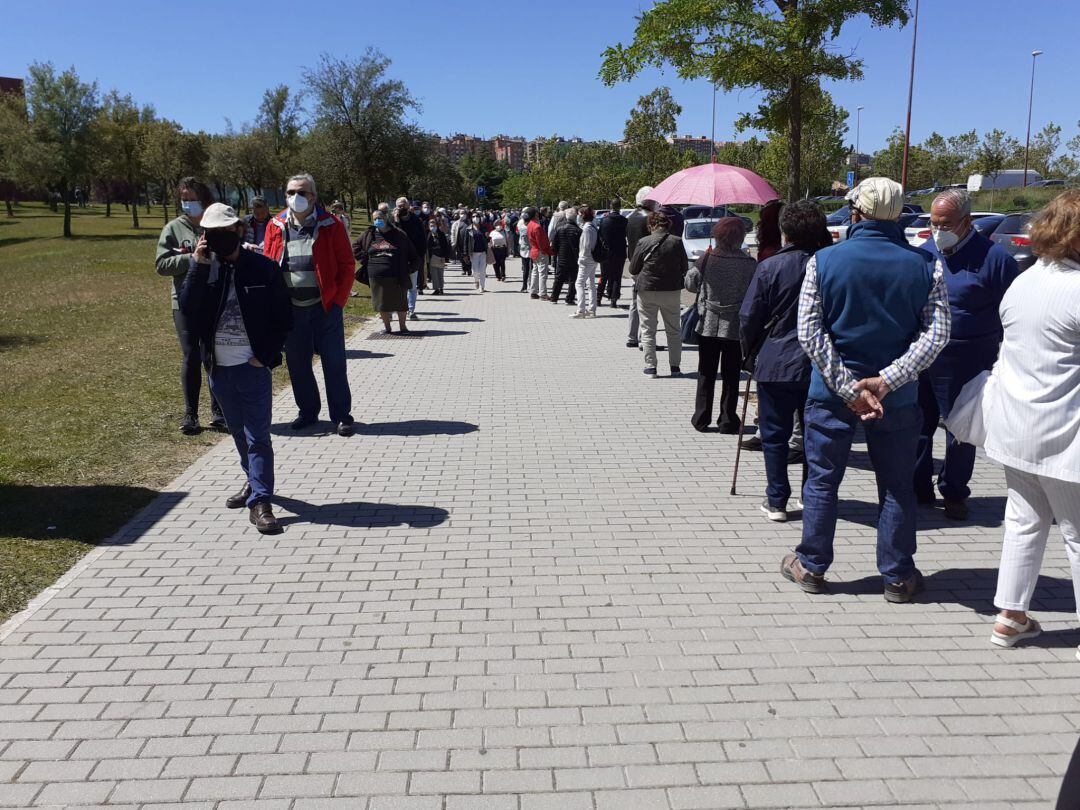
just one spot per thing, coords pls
(239, 304)
(873, 314)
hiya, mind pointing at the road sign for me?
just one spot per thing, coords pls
(481, 192)
(850, 179)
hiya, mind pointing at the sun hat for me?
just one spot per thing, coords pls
(878, 198)
(219, 215)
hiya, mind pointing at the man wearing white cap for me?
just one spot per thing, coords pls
(240, 306)
(873, 314)
(637, 226)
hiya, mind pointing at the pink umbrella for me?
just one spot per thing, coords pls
(713, 184)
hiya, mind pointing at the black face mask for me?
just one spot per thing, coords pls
(526, 217)
(223, 243)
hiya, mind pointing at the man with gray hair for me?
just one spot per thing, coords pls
(557, 219)
(312, 248)
(977, 273)
(637, 227)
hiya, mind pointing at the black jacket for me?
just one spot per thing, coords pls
(565, 244)
(438, 244)
(404, 257)
(263, 297)
(773, 299)
(471, 240)
(637, 226)
(659, 263)
(416, 229)
(613, 231)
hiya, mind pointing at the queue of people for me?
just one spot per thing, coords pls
(869, 336)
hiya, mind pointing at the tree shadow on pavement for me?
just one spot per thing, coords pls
(417, 427)
(360, 514)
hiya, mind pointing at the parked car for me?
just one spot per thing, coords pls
(1046, 183)
(918, 230)
(1007, 178)
(838, 221)
(988, 224)
(714, 212)
(1013, 235)
(697, 236)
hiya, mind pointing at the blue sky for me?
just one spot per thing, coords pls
(465, 62)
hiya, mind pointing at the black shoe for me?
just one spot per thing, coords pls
(631, 344)
(676, 371)
(218, 424)
(753, 443)
(189, 426)
(614, 304)
(651, 371)
(956, 510)
(795, 456)
(239, 499)
(346, 429)
(301, 422)
(262, 518)
(926, 500)
(904, 591)
(730, 428)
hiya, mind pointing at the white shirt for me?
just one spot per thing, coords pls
(498, 239)
(1033, 423)
(231, 344)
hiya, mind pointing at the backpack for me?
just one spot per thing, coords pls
(600, 250)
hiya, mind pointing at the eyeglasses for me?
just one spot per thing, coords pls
(290, 192)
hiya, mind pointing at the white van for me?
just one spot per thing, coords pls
(1007, 178)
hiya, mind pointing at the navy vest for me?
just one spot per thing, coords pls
(873, 288)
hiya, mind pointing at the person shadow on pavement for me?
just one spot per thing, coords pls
(360, 514)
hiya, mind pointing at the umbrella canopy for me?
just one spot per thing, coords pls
(713, 184)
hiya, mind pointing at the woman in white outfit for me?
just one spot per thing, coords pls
(586, 276)
(1032, 415)
(477, 247)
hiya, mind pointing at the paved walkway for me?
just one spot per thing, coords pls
(524, 585)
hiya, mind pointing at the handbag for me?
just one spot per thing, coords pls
(362, 275)
(967, 419)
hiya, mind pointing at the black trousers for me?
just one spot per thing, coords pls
(526, 267)
(726, 355)
(191, 367)
(500, 263)
(564, 275)
(466, 264)
(611, 271)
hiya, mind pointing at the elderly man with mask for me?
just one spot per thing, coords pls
(256, 222)
(413, 227)
(637, 226)
(238, 303)
(977, 273)
(873, 315)
(312, 248)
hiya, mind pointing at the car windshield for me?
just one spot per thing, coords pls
(1014, 223)
(697, 230)
(921, 221)
(840, 216)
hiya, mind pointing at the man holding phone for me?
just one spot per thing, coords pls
(239, 305)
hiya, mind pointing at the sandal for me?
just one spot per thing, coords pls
(1023, 631)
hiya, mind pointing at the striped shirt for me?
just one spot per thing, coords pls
(299, 265)
(936, 325)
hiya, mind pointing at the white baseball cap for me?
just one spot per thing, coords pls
(643, 194)
(878, 198)
(219, 215)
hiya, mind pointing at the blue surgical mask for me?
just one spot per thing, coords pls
(193, 208)
(380, 224)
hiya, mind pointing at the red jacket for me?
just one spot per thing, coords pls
(538, 241)
(331, 252)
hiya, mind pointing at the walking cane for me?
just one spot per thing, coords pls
(738, 447)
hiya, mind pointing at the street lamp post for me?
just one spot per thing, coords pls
(911, 87)
(858, 127)
(1031, 96)
(712, 138)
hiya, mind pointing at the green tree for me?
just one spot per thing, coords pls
(652, 121)
(437, 179)
(823, 149)
(169, 153)
(888, 162)
(483, 170)
(781, 47)
(62, 111)
(1044, 148)
(118, 133)
(15, 141)
(363, 112)
(279, 119)
(994, 153)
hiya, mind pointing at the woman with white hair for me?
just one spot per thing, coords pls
(1032, 415)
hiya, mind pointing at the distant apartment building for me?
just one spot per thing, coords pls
(458, 146)
(700, 146)
(509, 150)
(513, 150)
(10, 85)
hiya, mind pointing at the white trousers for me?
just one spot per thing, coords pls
(479, 268)
(538, 276)
(586, 282)
(1034, 502)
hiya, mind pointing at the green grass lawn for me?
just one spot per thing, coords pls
(91, 404)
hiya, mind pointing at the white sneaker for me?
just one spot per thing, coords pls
(799, 504)
(774, 513)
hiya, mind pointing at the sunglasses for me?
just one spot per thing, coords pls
(299, 191)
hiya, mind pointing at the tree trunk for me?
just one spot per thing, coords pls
(67, 212)
(108, 204)
(135, 210)
(10, 210)
(165, 202)
(147, 201)
(794, 137)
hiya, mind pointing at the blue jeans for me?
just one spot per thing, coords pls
(315, 329)
(777, 404)
(245, 393)
(411, 294)
(891, 442)
(939, 386)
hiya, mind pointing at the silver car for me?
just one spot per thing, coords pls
(1013, 234)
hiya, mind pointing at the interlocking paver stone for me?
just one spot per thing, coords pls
(523, 585)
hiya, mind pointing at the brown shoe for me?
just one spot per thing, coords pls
(905, 590)
(956, 510)
(239, 499)
(792, 569)
(262, 517)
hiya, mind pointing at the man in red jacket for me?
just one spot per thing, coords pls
(539, 253)
(312, 248)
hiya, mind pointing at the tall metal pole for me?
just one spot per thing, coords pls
(712, 138)
(1031, 96)
(911, 87)
(858, 127)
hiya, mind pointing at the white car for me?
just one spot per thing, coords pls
(697, 236)
(919, 230)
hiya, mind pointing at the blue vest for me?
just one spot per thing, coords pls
(873, 288)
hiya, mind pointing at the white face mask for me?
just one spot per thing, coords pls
(945, 240)
(298, 204)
